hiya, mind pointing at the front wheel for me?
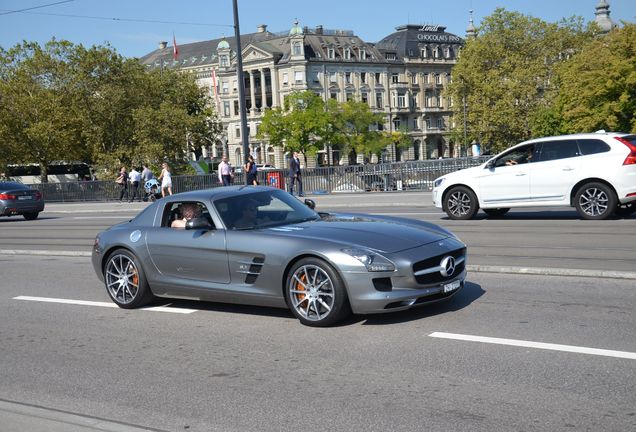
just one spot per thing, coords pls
(460, 203)
(595, 201)
(125, 280)
(315, 293)
(496, 212)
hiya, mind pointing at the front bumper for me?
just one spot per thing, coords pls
(381, 292)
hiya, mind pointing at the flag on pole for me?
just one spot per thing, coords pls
(175, 48)
(216, 94)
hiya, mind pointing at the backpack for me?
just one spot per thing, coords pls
(253, 169)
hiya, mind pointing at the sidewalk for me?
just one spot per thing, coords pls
(336, 200)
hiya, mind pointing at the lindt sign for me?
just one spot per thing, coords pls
(429, 28)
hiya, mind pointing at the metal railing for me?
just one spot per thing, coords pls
(396, 176)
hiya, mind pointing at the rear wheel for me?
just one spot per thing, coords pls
(315, 293)
(496, 212)
(460, 203)
(595, 201)
(31, 216)
(125, 280)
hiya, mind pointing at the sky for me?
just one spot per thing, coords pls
(135, 27)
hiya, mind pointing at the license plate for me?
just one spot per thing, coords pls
(24, 197)
(452, 286)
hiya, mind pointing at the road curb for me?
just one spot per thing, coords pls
(476, 268)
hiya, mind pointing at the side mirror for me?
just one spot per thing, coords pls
(198, 223)
(310, 203)
(490, 164)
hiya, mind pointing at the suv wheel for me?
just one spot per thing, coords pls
(460, 203)
(595, 201)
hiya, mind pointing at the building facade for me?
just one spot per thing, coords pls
(402, 76)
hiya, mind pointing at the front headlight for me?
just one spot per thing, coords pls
(373, 261)
(438, 182)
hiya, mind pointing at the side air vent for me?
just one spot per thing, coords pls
(253, 267)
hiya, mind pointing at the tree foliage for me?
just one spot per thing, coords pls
(66, 102)
(598, 85)
(507, 76)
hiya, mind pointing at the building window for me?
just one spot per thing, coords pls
(424, 52)
(349, 96)
(224, 61)
(237, 132)
(298, 77)
(234, 86)
(347, 53)
(379, 102)
(426, 78)
(363, 77)
(390, 56)
(226, 108)
(448, 52)
(396, 124)
(439, 101)
(225, 87)
(377, 77)
(401, 101)
(333, 77)
(436, 52)
(440, 123)
(333, 95)
(414, 100)
(415, 126)
(414, 79)
(297, 49)
(395, 78)
(428, 123)
(285, 78)
(364, 98)
(331, 53)
(363, 54)
(438, 78)
(348, 77)
(236, 107)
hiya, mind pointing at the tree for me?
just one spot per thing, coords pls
(356, 128)
(506, 75)
(598, 85)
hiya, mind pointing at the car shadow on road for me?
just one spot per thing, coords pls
(463, 298)
(539, 215)
(209, 306)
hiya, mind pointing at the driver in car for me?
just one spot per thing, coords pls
(188, 211)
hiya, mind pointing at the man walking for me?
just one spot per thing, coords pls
(295, 175)
(134, 178)
(225, 172)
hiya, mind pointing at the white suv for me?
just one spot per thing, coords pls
(594, 172)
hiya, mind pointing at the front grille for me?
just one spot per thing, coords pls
(436, 277)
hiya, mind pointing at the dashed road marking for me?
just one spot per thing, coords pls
(538, 345)
(164, 308)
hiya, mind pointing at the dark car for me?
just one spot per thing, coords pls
(261, 246)
(19, 199)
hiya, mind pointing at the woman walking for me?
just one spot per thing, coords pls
(250, 171)
(166, 179)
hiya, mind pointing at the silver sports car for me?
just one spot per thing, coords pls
(261, 246)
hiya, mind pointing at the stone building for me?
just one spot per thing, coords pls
(402, 76)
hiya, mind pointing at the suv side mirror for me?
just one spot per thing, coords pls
(198, 223)
(490, 164)
(310, 203)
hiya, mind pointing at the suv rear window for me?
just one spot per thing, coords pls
(591, 146)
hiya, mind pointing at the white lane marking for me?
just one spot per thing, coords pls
(538, 345)
(101, 304)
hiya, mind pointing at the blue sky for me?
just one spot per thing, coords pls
(197, 20)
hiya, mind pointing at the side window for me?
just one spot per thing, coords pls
(592, 146)
(562, 149)
(517, 156)
(184, 210)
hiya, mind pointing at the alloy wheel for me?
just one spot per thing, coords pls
(122, 278)
(312, 292)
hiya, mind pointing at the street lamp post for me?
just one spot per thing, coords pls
(241, 87)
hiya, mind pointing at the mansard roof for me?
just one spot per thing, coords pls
(407, 40)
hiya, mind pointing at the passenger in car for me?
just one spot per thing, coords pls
(188, 211)
(524, 158)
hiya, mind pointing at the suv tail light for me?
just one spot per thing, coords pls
(4, 196)
(38, 195)
(631, 157)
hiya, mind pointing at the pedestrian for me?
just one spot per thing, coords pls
(295, 176)
(225, 172)
(251, 170)
(122, 181)
(134, 179)
(146, 174)
(166, 179)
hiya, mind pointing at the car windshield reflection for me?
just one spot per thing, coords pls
(263, 209)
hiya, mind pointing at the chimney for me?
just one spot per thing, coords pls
(163, 45)
(261, 28)
(318, 29)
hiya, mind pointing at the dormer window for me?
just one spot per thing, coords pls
(297, 49)
(424, 52)
(331, 53)
(363, 54)
(436, 53)
(448, 52)
(224, 61)
(390, 56)
(347, 53)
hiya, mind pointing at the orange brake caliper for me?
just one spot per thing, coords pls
(300, 297)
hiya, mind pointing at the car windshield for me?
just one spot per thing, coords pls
(263, 209)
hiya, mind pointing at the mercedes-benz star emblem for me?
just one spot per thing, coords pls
(448, 266)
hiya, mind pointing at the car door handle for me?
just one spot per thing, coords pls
(567, 169)
(520, 174)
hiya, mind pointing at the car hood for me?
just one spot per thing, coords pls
(380, 235)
